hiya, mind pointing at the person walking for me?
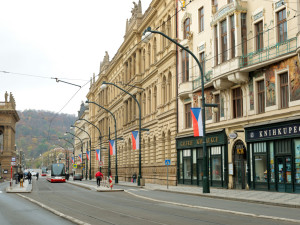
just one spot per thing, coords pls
(99, 177)
(37, 175)
(21, 179)
(134, 177)
(29, 177)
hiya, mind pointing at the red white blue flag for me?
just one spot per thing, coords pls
(135, 140)
(98, 154)
(197, 121)
(88, 155)
(79, 156)
(112, 147)
(72, 159)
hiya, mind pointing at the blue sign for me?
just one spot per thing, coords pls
(167, 162)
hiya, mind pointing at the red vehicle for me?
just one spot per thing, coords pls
(44, 171)
(58, 174)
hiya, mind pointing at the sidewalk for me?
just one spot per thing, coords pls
(92, 185)
(17, 189)
(263, 197)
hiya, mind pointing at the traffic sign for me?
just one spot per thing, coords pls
(13, 159)
(13, 163)
(75, 166)
(167, 162)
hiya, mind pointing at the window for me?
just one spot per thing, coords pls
(224, 40)
(282, 26)
(237, 98)
(260, 157)
(215, 4)
(186, 28)
(216, 45)
(261, 96)
(232, 34)
(284, 90)
(217, 101)
(188, 117)
(202, 61)
(201, 19)
(259, 38)
(244, 33)
(185, 66)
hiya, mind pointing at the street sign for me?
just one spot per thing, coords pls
(13, 159)
(75, 166)
(168, 162)
(13, 163)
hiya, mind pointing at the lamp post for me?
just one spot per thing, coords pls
(100, 136)
(140, 126)
(73, 150)
(116, 176)
(146, 37)
(81, 148)
(90, 175)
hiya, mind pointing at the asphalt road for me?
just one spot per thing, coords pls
(15, 210)
(137, 206)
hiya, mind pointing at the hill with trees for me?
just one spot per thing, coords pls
(38, 130)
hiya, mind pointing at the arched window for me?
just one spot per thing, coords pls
(163, 39)
(149, 56)
(163, 147)
(155, 98)
(186, 28)
(144, 104)
(154, 50)
(144, 60)
(149, 102)
(164, 89)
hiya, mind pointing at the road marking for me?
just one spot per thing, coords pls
(216, 209)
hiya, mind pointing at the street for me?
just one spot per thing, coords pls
(137, 206)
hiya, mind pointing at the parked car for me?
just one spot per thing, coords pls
(77, 176)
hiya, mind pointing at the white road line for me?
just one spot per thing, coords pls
(216, 209)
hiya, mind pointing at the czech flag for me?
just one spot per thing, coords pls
(135, 140)
(197, 121)
(72, 158)
(79, 156)
(98, 154)
(88, 155)
(112, 147)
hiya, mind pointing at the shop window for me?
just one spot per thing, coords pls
(180, 166)
(185, 65)
(297, 161)
(237, 100)
(261, 96)
(272, 161)
(224, 40)
(281, 26)
(194, 164)
(200, 163)
(187, 167)
(284, 91)
(216, 163)
(261, 174)
(259, 38)
(201, 19)
(188, 117)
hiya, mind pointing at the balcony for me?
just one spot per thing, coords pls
(268, 53)
(197, 82)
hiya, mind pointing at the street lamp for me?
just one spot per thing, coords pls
(100, 136)
(116, 176)
(103, 86)
(145, 38)
(74, 148)
(90, 149)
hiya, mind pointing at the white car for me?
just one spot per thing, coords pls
(33, 173)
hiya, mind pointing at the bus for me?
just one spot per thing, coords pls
(44, 171)
(57, 174)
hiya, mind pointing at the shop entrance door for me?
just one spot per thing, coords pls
(200, 171)
(284, 174)
(240, 162)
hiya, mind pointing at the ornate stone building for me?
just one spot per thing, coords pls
(8, 119)
(147, 72)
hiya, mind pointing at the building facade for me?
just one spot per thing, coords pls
(148, 73)
(250, 54)
(8, 119)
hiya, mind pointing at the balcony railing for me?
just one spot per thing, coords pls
(197, 82)
(270, 52)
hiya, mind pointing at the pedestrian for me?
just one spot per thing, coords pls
(21, 179)
(134, 177)
(99, 177)
(37, 175)
(29, 177)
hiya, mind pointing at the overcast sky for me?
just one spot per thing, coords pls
(40, 39)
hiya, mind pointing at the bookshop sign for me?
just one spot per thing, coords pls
(278, 131)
